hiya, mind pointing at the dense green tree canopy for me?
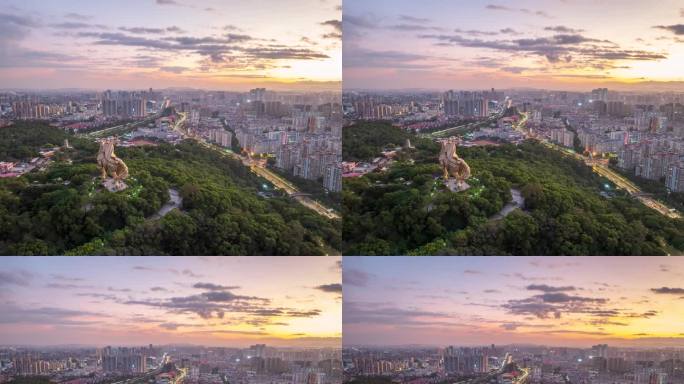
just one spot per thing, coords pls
(367, 140)
(407, 210)
(64, 210)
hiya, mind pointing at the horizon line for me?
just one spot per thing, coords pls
(312, 90)
(345, 90)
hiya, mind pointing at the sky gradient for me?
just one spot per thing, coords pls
(213, 301)
(213, 44)
(555, 44)
(558, 301)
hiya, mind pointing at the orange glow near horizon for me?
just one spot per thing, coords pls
(216, 301)
(556, 301)
(478, 45)
(204, 44)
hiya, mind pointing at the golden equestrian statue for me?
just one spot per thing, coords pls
(111, 165)
(452, 165)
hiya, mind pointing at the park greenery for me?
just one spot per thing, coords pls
(370, 380)
(17, 144)
(568, 209)
(364, 141)
(35, 379)
(65, 210)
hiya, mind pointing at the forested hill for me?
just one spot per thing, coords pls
(366, 140)
(23, 140)
(567, 211)
(363, 141)
(64, 210)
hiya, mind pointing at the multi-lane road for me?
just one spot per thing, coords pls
(493, 375)
(293, 192)
(450, 131)
(143, 378)
(522, 379)
(131, 125)
(630, 187)
(603, 170)
(147, 376)
(525, 372)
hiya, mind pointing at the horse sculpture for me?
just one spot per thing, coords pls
(111, 165)
(452, 165)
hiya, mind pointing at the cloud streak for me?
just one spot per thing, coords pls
(677, 29)
(668, 290)
(330, 288)
(20, 278)
(495, 7)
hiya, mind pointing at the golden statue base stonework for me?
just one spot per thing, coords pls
(114, 185)
(456, 185)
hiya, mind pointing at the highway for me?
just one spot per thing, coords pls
(277, 180)
(177, 126)
(507, 360)
(630, 187)
(446, 132)
(493, 374)
(522, 378)
(148, 375)
(183, 373)
(140, 378)
(603, 170)
(291, 190)
(103, 132)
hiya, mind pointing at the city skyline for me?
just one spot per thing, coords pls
(556, 45)
(236, 301)
(171, 43)
(560, 301)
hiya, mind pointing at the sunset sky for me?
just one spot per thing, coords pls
(215, 301)
(554, 44)
(575, 301)
(215, 44)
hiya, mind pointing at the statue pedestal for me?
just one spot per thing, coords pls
(114, 185)
(456, 185)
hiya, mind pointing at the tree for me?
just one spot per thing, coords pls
(178, 231)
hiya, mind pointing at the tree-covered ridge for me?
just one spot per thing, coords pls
(369, 380)
(31, 380)
(362, 142)
(23, 140)
(407, 210)
(65, 211)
